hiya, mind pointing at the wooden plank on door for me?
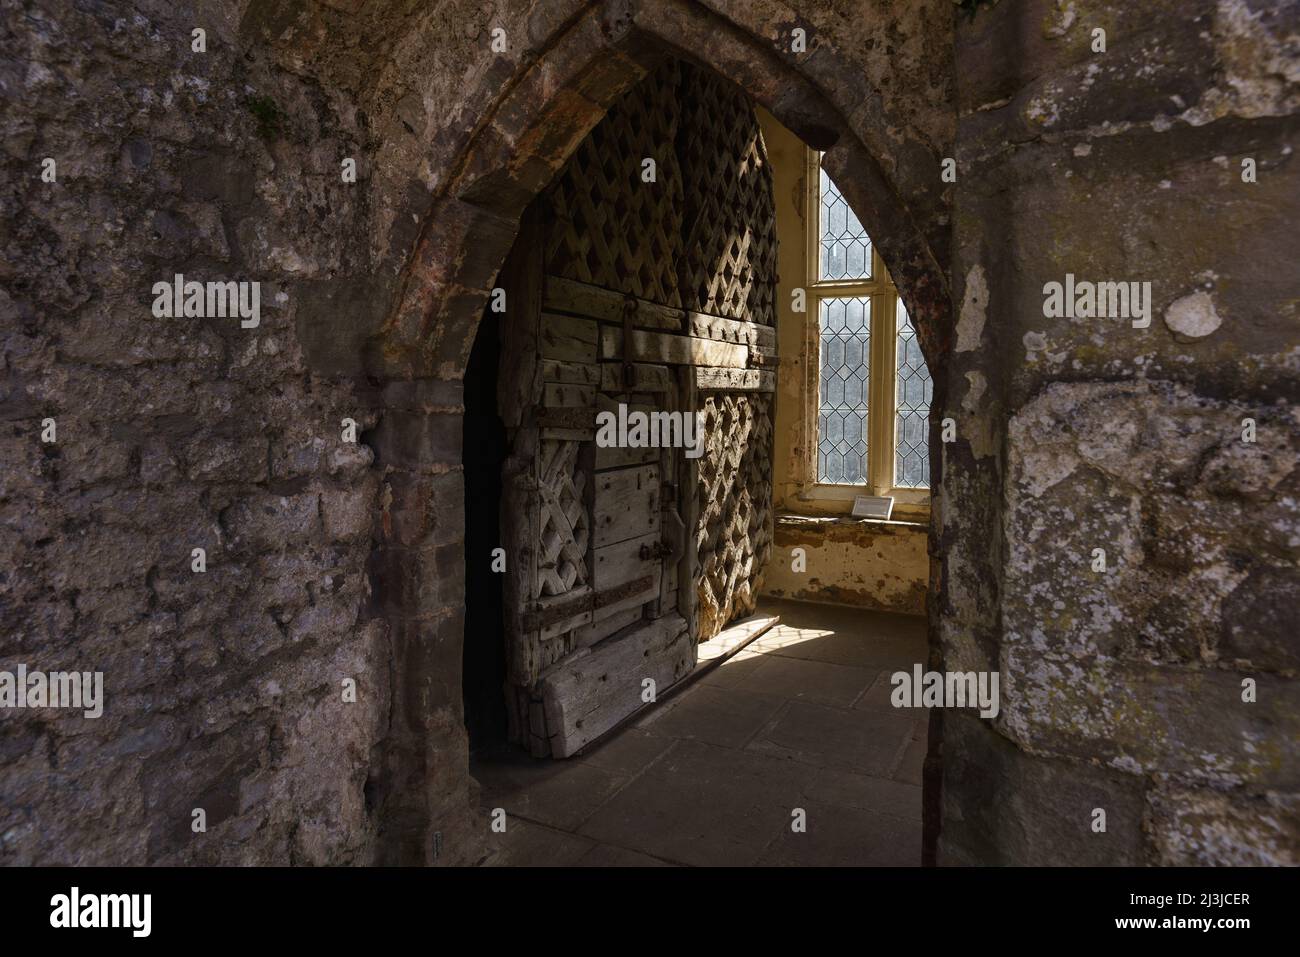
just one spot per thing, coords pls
(577, 373)
(601, 629)
(519, 387)
(633, 594)
(615, 457)
(757, 337)
(673, 350)
(569, 338)
(645, 378)
(569, 295)
(576, 419)
(519, 383)
(569, 435)
(565, 395)
(688, 478)
(626, 504)
(624, 561)
(589, 695)
(553, 615)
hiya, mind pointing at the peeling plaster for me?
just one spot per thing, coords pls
(1193, 316)
(970, 324)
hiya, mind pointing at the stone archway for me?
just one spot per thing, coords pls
(512, 151)
(303, 688)
(525, 137)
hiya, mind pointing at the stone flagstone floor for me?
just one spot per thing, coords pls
(799, 719)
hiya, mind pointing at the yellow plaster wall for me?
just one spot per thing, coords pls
(846, 561)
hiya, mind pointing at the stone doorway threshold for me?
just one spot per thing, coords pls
(794, 717)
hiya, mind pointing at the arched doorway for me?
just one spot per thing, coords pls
(640, 290)
(515, 152)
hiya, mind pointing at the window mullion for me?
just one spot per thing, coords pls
(877, 450)
(889, 382)
(812, 218)
(884, 388)
(813, 392)
(812, 318)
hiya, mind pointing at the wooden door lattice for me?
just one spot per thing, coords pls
(564, 533)
(730, 247)
(734, 537)
(645, 295)
(614, 230)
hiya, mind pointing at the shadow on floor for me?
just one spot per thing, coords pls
(799, 719)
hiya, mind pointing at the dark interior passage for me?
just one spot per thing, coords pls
(485, 448)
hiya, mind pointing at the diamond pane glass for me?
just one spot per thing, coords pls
(912, 419)
(845, 330)
(844, 247)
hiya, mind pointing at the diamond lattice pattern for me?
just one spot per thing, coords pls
(564, 528)
(845, 331)
(844, 248)
(729, 256)
(912, 418)
(612, 229)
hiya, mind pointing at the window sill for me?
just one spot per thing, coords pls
(910, 504)
(812, 520)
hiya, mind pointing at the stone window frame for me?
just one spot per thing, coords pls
(882, 369)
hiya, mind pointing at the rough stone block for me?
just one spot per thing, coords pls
(418, 440)
(425, 510)
(349, 514)
(1201, 827)
(263, 522)
(419, 582)
(1004, 806)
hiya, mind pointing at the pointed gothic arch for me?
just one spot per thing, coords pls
(529, 126)
(528, 132)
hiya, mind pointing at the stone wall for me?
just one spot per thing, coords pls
(224, 687)
(328, 560)
(1122, 688)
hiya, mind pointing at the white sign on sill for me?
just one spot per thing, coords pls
(873, 506)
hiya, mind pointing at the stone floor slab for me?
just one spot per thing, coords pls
(841, 648)
(606, 855)
(910, 767)
(702, 805)
(627, 753)
(533, 845)
(864, 741)
(561, 794)
(850, 789)
(802, 680)
(732, 672)
(727, 717)
(847, 837)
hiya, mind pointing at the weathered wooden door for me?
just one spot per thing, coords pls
(653, 294)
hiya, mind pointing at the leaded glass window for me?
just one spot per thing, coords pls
(914, 391)
(874, 390)
(844, 247)
(845, 334)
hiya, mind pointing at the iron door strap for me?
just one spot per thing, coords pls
(656, 551)
(629, 310)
